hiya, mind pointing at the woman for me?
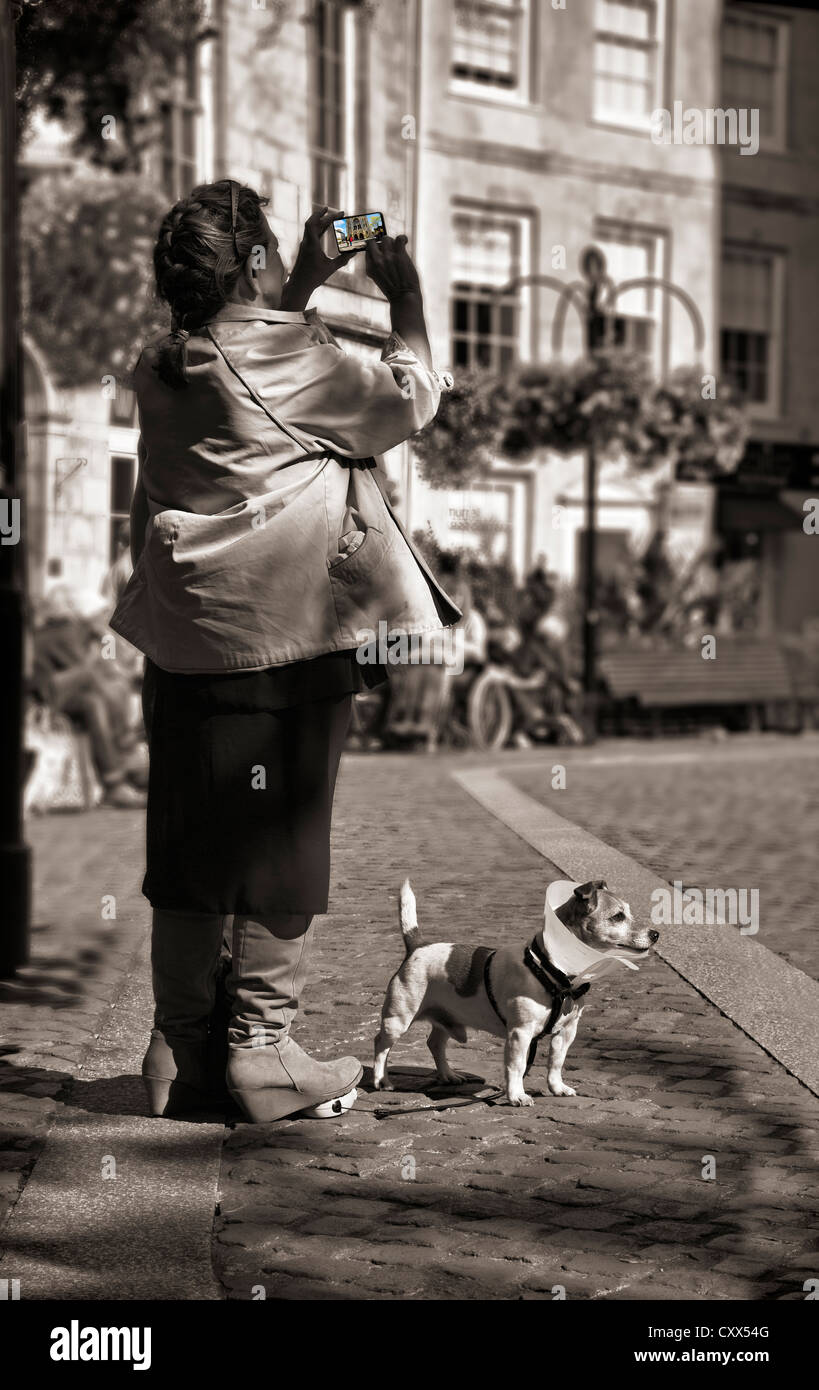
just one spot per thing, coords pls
(265, 554)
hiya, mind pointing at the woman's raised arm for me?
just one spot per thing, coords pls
(390, 267)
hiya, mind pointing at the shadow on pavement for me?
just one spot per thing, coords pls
(604, 1194)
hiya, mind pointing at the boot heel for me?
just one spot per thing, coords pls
(262, 1105)
(167, 1098)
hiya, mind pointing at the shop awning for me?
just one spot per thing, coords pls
(755, 511)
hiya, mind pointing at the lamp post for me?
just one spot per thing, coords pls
(595, 299)
(14, 853)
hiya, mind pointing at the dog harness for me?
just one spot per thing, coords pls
(537, 959)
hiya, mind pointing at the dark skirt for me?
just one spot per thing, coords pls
(241, 787)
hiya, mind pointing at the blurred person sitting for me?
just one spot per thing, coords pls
(540, 653)
(474, 639)
(129, 660)
(113, 585)
(69, 676)
(421, 694)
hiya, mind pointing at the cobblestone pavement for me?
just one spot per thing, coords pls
(602, 1195)
(53, 1009)
(738, 815)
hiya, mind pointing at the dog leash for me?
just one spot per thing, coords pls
(382, 1113)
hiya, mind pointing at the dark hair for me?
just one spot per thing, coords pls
(199, 255)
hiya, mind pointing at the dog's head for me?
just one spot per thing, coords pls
(604, 922)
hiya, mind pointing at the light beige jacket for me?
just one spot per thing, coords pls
(270, 538)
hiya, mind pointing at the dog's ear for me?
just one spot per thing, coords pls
(587, 893)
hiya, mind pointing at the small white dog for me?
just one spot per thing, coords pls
(521, 995)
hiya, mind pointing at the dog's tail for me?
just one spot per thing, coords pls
(408, 918)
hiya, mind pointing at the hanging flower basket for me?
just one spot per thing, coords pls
(609, 401)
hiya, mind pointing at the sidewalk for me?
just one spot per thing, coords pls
(51, 1013)
(100, 1201)
(411, 1196)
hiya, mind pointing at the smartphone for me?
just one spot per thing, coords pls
(353, 233)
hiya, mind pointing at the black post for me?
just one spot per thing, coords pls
(15, 870)
(596, 336)
(590, 591)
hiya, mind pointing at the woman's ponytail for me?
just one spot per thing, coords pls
(172, 359)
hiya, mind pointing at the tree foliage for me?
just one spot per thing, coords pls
(79, 61)
(88, 297)
(609, 401)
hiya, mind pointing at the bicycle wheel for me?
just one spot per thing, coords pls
(489, 712)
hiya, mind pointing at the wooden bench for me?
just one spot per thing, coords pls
(747, 677)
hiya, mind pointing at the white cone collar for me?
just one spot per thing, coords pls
(574, 957)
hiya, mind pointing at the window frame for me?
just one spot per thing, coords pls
(613, 229)
(116, 517)
(181, 102)
(521, 92)
(344, 158)
(123, 408)
(625, 120)
(521, 223)
(776, 143)
(772, 407)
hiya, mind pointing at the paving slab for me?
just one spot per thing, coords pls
(769, 999)
(119, 1205)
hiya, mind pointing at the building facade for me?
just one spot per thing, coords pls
(769, 289)
(504, 136)
(537, 142)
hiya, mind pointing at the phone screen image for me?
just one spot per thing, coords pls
(354, 232)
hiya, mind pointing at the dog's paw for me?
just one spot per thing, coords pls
(522, 1099)
(559, 1088)
(383, 1086)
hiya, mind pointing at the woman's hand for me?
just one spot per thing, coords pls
(389, 266)
(313, 266)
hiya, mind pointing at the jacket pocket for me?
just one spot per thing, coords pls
(359, 566)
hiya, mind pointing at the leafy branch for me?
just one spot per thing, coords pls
(79, 61)
(88, 297)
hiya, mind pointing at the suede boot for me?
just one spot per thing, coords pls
(183, 1067)
(268, 1074)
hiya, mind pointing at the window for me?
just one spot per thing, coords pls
(754, 59)
(332, 102)
(486, 257)
(180, 112)
(123, 477)
(750, 324)
(490, 47)
(627, 59)
(123, 407)
(631, 253)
